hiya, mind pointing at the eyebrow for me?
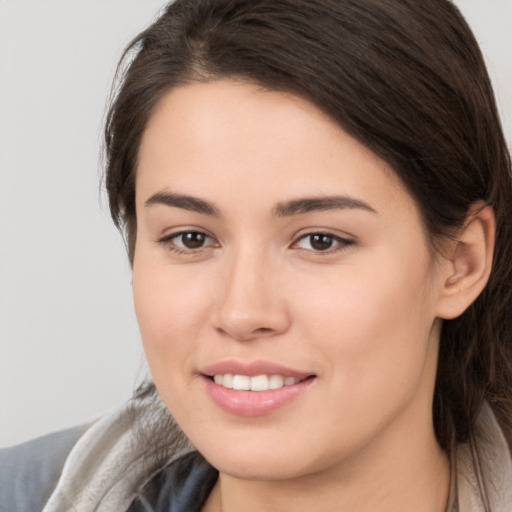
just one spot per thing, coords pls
(310, 204)
(284, 209)
(193, 204)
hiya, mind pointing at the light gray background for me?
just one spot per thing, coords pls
(69, 344)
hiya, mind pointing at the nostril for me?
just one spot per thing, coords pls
(247, 335)
(263, 330)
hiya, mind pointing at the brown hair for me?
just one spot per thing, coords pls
(405, 78)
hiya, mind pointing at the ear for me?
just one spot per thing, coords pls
(466, 268)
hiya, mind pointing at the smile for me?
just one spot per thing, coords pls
(254, 388)
(256, 383)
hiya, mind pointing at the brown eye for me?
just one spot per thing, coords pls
(192, 239)
(187, 242)
(320, 242)
(323, 242)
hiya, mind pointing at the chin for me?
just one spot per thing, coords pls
(263, 456)
(263, 468)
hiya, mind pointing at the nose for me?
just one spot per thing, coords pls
(251, 301)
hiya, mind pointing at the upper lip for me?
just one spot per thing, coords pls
(252, 368)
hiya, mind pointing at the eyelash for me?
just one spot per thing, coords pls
(342, 244)
(169, 243)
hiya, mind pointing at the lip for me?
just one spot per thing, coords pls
(252, 369)
(253, 403)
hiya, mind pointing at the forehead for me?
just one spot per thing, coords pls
(230, 140)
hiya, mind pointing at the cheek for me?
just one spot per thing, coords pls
(374, 325)
(364, 302)
(171, 308)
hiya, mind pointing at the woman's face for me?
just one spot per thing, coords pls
(273, 247)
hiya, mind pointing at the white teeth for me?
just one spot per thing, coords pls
(228, 381)
(276, 382)
(257, 383)
(241, 382)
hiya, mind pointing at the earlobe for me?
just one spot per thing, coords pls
(469, 263)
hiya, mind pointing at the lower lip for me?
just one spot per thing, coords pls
(253, 403)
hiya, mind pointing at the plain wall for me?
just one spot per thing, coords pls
(69, 343)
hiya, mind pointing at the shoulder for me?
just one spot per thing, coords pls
(29, 471)
(182, 486)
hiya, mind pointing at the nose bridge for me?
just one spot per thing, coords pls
(250, 304)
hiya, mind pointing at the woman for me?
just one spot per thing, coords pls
(316, 198)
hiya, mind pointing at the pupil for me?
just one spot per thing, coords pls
(321, 242)
(193, 240)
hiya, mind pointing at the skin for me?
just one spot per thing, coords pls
(363, 316)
